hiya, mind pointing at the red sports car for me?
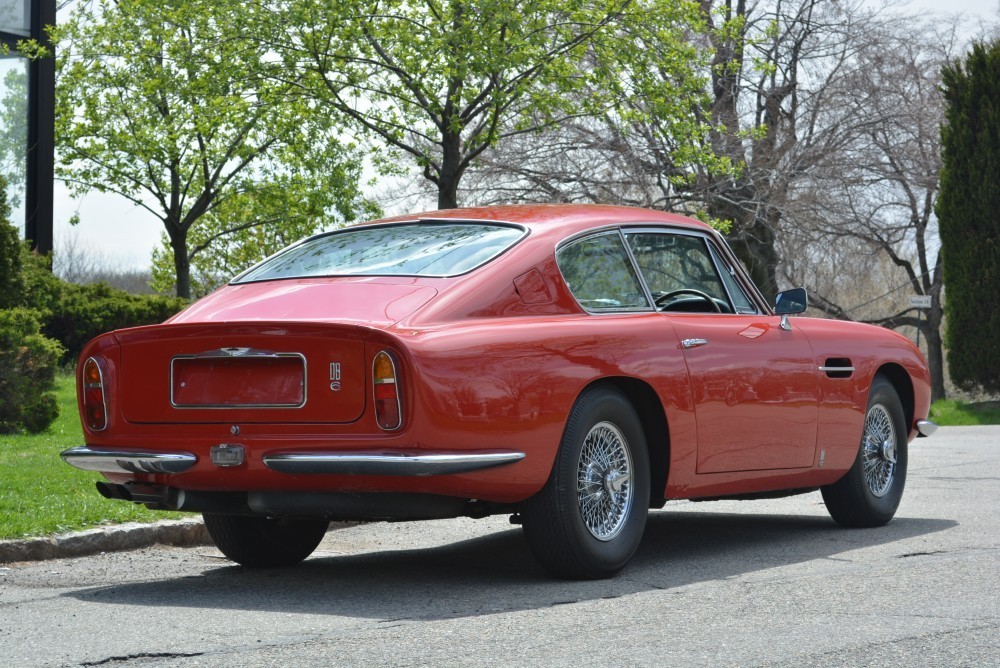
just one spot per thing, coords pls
(573, 366)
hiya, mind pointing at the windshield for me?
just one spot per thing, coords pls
(411, 249)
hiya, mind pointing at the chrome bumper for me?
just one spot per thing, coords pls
(341, 463)
(384, 463)
(926, 427)
(128, 461)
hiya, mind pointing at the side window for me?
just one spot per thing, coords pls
(739, 297)
(680, 272)
(599, 274)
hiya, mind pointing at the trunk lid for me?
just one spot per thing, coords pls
(275, 372)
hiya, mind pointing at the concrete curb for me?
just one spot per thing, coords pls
(115, 538)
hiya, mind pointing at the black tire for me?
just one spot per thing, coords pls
(588, 520)
(265, 542)
(861, 499)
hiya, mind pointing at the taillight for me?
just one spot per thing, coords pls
(388, 413)
(94, 407)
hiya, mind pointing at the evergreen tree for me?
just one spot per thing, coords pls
(968, 210)
(10, 253)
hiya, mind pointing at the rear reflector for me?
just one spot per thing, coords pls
(94, 407)
(388, 413)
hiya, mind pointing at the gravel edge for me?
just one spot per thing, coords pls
(115, 538)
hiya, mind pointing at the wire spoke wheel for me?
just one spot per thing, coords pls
(604, 485)
(870, 491)
(587, 521)
(878, 454)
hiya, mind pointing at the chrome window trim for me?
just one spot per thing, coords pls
(212, 407)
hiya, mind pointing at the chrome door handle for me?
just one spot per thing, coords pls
(693, 343)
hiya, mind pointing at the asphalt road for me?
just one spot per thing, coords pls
(762, 583)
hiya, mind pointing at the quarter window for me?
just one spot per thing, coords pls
(600, 274)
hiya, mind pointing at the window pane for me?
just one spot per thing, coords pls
(417, 249)
(671, 262)
(600, 275)
(15, 16)
(14, 132)
(743, 304)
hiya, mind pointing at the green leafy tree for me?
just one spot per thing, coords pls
(968, 210)
(174, 105)
(14, 131)
(443, 81)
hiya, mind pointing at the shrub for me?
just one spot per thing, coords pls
(28, 362)
(85, 311)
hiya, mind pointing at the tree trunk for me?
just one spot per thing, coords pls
(182, 263)
(754, 246)
(935, 352)
(451, 170)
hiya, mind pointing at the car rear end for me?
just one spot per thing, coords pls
(291, 392)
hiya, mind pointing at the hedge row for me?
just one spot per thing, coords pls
(81, 312)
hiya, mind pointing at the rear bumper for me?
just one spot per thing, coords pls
(382, 463)
(128, 461)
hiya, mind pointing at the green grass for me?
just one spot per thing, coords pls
(955, 413)
(42, 495)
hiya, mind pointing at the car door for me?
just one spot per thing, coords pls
(753, 382)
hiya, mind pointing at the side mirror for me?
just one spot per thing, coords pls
(791, 301)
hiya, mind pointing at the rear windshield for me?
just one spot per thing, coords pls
(410, 249)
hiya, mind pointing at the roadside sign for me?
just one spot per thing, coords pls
(920, 301)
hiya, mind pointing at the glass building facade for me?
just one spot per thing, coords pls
(27, 104)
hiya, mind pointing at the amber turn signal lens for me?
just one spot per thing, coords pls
(95, 412)
(388, 411)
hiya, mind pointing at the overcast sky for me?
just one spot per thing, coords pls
(123, 235)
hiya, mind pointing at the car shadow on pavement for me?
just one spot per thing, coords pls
(496, 573)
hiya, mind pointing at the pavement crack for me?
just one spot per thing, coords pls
(920, 554)
(141, 655)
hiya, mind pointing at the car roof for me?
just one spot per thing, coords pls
(560, 219)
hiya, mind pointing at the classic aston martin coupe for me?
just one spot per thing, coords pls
(569, 365)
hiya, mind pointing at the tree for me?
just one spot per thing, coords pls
(174, 106)
(443, 81)
(11, 255)
(736, 151)
(644, 147)
(875, 196)
(968, 209)
(28, 360)
(14, 131)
